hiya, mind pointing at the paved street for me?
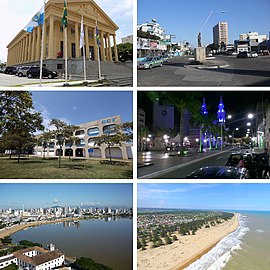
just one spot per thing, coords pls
(221, 71)
(12, 80)
(174, 167)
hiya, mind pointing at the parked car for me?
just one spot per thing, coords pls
(34, 72)
(219, 172)
(249, 162)
(22, 71)
(10, 70)
(149, 63)
(242, 55)
(253, 54)
(164, 58)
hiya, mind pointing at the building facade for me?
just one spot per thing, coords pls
(220, 33)
(34, 258)
(25, 48)
(86, 146)
(253, 39)
(127, 39)
(151, 46)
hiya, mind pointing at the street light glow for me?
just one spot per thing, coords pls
(248, 124)
(229, 116)
(250, 116)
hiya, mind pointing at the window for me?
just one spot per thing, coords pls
(110, 129)
(59, 66)
(73, 50)
(72, 30)
(93, 131)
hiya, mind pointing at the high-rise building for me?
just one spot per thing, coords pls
(220, 33)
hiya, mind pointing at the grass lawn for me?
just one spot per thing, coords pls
(38, 168)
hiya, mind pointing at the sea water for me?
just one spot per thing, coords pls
(247, 248)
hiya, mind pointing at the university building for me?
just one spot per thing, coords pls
(25, 48)
(85, 145)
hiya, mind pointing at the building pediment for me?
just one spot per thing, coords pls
(90, 10)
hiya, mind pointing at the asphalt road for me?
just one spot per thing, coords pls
(218, 160)
(231, 72)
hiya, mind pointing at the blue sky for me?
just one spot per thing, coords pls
(17, 13)
(186, 18)
(49, 195)
(205, 196)
(77, 107)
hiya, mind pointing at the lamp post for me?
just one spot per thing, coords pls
(203, 112)
(221, 114)
(208, 17)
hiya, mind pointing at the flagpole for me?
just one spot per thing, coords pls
(42, 47)
(84, 68)
(65, 49)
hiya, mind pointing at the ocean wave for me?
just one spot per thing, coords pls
(219, 256)
(259, 231)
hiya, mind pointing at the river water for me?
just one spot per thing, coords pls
(106, 241)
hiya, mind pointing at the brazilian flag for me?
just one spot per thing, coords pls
(64, 19)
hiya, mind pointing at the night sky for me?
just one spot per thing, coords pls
(237, 103)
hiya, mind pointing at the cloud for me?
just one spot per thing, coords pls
(15, 14)
(55, 201)
(46, 115)
(90, 204)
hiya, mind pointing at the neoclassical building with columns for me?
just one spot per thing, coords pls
(25, 48)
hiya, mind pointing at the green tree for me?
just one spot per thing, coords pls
(18, 120)
(44, 140)
(84, 263)
(125, 52)
(63, 132)
(12, 266)
(116, 135)
(182, 102)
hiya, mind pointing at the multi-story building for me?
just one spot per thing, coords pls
(220, 33)
(253, 39)
(25, 48)
(86, 144)
(151, 46)
(127, 39)
(34, 258)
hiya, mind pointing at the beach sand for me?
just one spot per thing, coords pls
(186, 249)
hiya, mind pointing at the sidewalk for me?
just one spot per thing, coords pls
(160, 163)
(211, 63)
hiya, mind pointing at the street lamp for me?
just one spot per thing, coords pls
(199, 35)
(221, 114)
(203, 112)
(250, 116)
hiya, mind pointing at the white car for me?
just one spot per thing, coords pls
(253, 54)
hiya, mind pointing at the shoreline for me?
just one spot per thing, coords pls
(16, 228)
(187, 249)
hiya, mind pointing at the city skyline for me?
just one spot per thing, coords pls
(19, 15)
(231, 197)
(81, 106)
(191, 17)
(50, 195)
